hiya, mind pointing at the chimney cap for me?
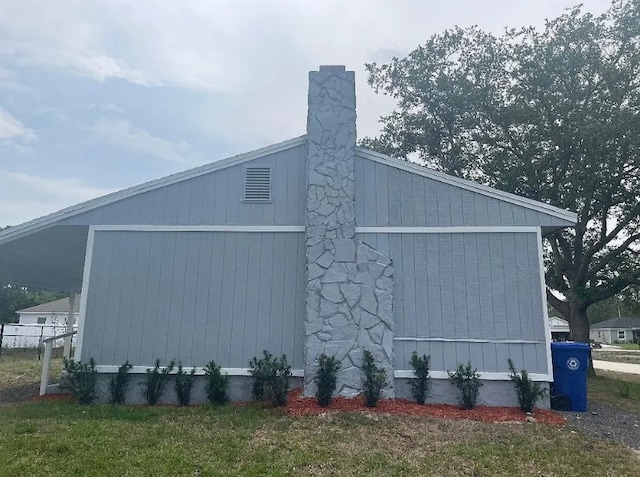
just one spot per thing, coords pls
(333, 68)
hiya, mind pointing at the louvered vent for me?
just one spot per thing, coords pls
(257, 184)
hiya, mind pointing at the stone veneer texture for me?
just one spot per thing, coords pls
(349, 284)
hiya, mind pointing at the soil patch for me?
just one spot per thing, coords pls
(297, 405)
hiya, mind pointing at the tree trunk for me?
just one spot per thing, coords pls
(579, 326)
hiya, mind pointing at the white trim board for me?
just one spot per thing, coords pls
(49, 220)
(447, 230)
(465, 340)
(86, 274)
(468, 185)
(199, 370)
(545, 311)
(409, 374)
(199, 228)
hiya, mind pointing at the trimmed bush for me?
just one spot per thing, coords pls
(528, 391)
(156, 381)
(467, 380)
(82, 378)
(217, 384)
(326, 378)
(271, 379)
(183, 385)
(421, 385)
(374, 380)
(119, 383)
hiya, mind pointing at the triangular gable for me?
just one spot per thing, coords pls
(538, 213)
(52, 219)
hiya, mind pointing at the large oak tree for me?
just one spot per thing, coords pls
(553, 115)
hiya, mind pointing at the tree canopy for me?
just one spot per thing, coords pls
(551, 114)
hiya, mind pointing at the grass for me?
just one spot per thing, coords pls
(59, 438)
(617, 356)
(20, 371)
(616, 389)
(55, 438)
(629, 346)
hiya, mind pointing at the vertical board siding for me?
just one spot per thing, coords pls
(195, 296)
(215, 198)
(482, 286)
(389, 197)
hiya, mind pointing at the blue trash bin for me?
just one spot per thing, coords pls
(570, 366)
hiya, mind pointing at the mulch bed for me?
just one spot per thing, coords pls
(301, 406)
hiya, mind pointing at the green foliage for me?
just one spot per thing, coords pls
(183, 385)
(119, 383)
(548, 114)
(624, 390)
(375, 379)
(13, 298)
(156, 381)
(325, 379)
(467, 380)
(420, 386)
(82, 378)
(271, 379)
(217, 384)
(528, 391)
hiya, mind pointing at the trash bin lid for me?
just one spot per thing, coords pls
(570, 346)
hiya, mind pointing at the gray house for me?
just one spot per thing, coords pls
(622, 329)
(308, 246)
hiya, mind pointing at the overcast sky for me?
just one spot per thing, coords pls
(101, 95)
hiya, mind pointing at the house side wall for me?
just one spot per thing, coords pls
(467, 296)
(390, 197)
(214, 198)
(194, 296)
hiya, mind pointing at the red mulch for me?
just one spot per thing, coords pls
(301, 406)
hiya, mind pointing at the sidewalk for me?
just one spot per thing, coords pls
(617, 367)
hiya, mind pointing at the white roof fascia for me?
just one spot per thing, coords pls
(468, 185)
(46, 221)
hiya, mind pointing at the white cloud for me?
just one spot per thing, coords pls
(24, 197)
(123, 134)
(11, 128)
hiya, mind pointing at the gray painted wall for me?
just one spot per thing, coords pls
(214, 198)
(471, 285)
(195, 296)
(390, 197)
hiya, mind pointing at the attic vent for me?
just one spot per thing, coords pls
(257, 184)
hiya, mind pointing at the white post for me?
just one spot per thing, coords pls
(46, 362)
(70, 321)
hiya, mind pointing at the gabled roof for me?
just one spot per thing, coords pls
(47, 221)
(56, 306)
(620, 322)
(468, 185)
(41, 223)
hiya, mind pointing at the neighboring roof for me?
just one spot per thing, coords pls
(57, 306)
(47, 221)
(619, 322)
(469, 185)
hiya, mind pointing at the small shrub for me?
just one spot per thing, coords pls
(156, 381)
(326, 379)
(271, 379)
(184, 384)
(217, 384)
(624, 389)
(119, 383)
(467, 380)
(375, 379)
(420, 385)
(528, 391)
(82, 378)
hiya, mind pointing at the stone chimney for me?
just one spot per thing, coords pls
(349, 284)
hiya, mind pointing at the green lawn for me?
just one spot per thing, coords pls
(58, 438)
(54, 438)
(616, 389)
(629, 346)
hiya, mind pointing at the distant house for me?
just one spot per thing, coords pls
(309, 246)
(37, 323)
(559, 329)
(622, 330)
(53, 313)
